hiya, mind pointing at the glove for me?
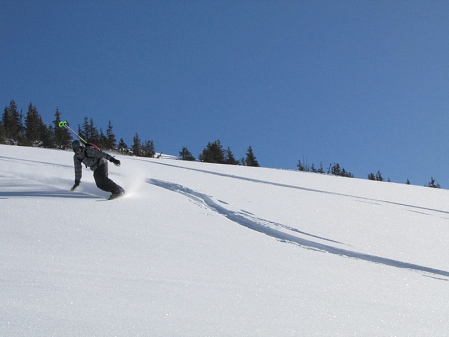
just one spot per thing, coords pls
(116, 162)
(77, 183)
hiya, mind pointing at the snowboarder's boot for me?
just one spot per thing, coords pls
(120, 192)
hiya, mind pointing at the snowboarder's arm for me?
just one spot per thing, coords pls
(92, 152)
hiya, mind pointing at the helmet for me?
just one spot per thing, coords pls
(76, 144)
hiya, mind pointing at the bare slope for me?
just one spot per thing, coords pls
(213, 250)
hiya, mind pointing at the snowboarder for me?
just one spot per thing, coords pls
(97, 161)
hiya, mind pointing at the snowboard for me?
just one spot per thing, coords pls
(116, 196)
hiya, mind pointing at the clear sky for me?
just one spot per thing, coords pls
(361, 83)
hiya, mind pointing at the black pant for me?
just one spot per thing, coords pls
(102, 180)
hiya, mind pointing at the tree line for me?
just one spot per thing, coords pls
(215, 153)
(30, 130)
(334, 169)
(337, 170)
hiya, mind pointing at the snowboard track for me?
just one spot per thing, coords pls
(253, 223)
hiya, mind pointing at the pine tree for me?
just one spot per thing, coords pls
(62, 136)
(336, 170)
(48, 136)
(147, 149)
(12, 122)
(111, 137)
(136, 148)
(103, 141)
(251, 159)
(122, 146)
(94, 134)
(321, 169)
(35, 128)
(432, 183)
(88, 131)
(2, 133)
(229, 157)
(185, 154)
(213, 153)
(301, 166)
(84, 132)
(379, 176)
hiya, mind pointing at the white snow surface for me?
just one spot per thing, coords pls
(197, 249)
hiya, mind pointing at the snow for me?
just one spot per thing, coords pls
(198, 249)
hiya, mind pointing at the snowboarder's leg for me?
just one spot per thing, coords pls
(104, 183)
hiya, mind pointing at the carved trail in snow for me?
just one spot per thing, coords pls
(247, 220)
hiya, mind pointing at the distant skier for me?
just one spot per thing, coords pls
(97, 161)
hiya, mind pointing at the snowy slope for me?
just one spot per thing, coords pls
(198, 249)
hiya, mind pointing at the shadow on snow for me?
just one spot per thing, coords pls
(46, 194)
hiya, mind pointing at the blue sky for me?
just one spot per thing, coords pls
(361, 83)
